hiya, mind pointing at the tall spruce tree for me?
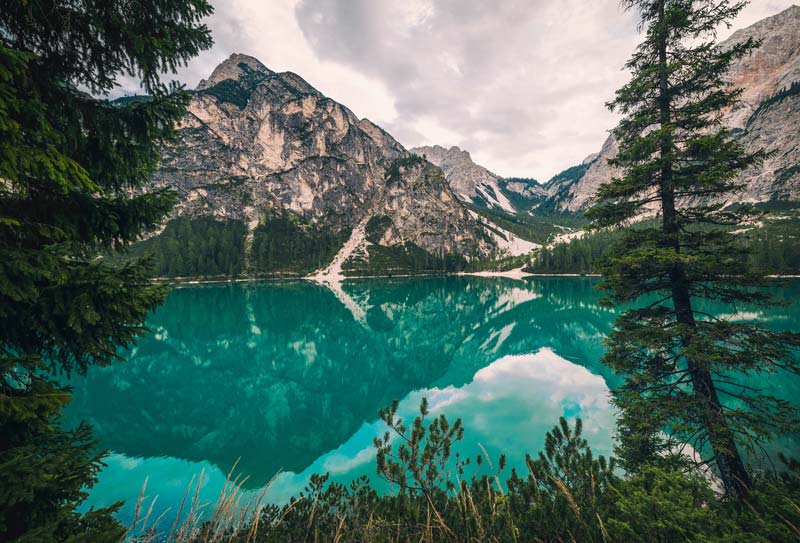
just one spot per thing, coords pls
(684, 368)
(71, 168)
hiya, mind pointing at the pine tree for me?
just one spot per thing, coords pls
(681, 365)
(71, 168)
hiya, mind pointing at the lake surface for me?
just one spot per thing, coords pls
(289, 377)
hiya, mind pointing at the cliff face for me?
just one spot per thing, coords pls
(766, 118)
(255, 143)
(475, 184)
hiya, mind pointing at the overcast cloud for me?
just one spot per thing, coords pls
(521, 84)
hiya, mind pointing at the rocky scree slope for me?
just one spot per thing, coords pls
(255, 145)
(767, 117)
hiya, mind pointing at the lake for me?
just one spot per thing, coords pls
(289, 376)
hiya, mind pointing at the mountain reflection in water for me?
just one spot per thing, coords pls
(290, 376)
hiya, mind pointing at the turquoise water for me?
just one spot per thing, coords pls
(287, 378)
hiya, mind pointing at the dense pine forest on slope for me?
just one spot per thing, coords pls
(773, 247)
(284, 246)
(201, 247)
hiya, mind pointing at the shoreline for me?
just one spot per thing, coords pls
(509, 274)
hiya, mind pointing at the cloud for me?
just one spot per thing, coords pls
(521, 84)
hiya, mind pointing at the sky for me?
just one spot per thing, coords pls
(521, 84)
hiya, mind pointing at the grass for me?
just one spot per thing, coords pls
(566, 495)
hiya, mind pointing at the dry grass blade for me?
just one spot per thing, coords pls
(153, 532)
(177, 520)
(256, 514)
(338, 535)
(603, 531)
(311, 516)
(149, 512)
(220, 509)
(565, 491)
(286, 511)
(136, 511)
(535, 480)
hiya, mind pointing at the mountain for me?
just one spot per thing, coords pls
(767, 117)
(299, 175)
(475, 184)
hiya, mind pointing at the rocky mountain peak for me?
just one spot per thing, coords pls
(773, 66)
(477, 185)
(298, 84)
(233, 68)
(589, 159)
(302, 173)
(471, 182)
(765, 118)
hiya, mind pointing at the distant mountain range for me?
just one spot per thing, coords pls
(767, 117)
(475, 184)
(274, 178)
(308, 185)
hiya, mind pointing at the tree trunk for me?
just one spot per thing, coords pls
(729, 462)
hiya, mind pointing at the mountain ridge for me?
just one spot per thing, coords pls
(476, 184)
(256, 145)
(774, 66)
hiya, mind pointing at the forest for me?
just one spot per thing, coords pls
(201, 247)
(773, 248)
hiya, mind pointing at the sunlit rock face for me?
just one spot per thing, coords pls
(475, 184)
(761, 120)
(254, 143)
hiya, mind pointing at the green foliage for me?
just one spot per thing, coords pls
(660, 505)
(46, 468)
(780, 96)
(771, 247)
(567, 489)
(376, 227)
(229, 91)
(200, 247)
(676, 156)
(774, 248)
(419, 462)
(402, 259)
(579, 255)
(286, 244)
(395, 168)
(71, 167)
(566, 495)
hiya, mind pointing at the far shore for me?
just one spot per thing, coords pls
(509, 274)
